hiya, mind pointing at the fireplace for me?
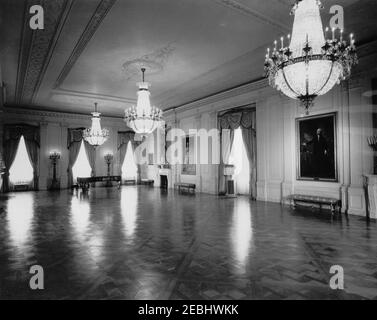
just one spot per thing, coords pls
(163, 182)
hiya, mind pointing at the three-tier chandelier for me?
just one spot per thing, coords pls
(143, 118)
(95, 135)
(311, 65)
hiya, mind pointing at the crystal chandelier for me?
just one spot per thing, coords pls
(143, 118)
(95, 135)
(311, 65)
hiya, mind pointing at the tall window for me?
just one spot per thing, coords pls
(21, 171)
(81, 168)
(129, 168)
(238, 157)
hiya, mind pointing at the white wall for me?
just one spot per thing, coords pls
(276, 136)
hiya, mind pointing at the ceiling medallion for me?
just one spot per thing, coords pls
(155, 62)
(143, 118)
(311, 65)
(95, 135)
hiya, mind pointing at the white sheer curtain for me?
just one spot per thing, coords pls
(238, 157)
(82, 167)
(129, 167)
(21, 171)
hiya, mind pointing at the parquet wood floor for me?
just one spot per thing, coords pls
(147, 243)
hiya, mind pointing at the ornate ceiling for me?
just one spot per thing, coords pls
(92, 50)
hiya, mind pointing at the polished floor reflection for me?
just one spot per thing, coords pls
(145, 243)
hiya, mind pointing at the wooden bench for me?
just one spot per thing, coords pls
(187, 186)
(129, 181)
(332, 202)
(21, 187)
(147, 182)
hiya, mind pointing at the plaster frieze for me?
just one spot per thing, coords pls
(51, 116)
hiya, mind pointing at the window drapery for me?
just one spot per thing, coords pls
(91, 155)
(249, 140)
(32, 149)
(228, 122)
(123, 139)
(12, 136)
(10, 151)
(227, 138)
(74, 135)
(74, 138)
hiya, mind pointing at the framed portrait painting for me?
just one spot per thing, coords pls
(316, 148)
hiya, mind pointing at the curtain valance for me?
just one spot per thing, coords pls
(234, 119)
(74, 135)
(15, 131)
(125, 137)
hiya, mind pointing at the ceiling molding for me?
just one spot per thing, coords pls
(37, 47)
(92, 95)
(61, 22)
(95, 21)
(243, 89)
(367, 49)
(52, 114)
(235, 5)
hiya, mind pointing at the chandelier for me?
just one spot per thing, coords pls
(95, 135)
(143, 118)
(313, 62)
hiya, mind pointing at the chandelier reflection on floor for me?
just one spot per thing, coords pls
(311, 65)
(143, 118)
(95, 135)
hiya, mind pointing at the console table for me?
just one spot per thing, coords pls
(84, 183)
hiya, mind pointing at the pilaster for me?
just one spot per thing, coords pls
(198, 122)
(43, 158)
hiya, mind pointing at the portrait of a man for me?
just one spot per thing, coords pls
(317, 148)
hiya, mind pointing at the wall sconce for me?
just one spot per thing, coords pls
(54, 156)
(109, 159)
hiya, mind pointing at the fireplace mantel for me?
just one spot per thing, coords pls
(164, 171)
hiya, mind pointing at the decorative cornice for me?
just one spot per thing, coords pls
(89, 95)
(95, 21)
(61, 22)
(367, 49)
(37, 47)
(52, 114)
(235, 5)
